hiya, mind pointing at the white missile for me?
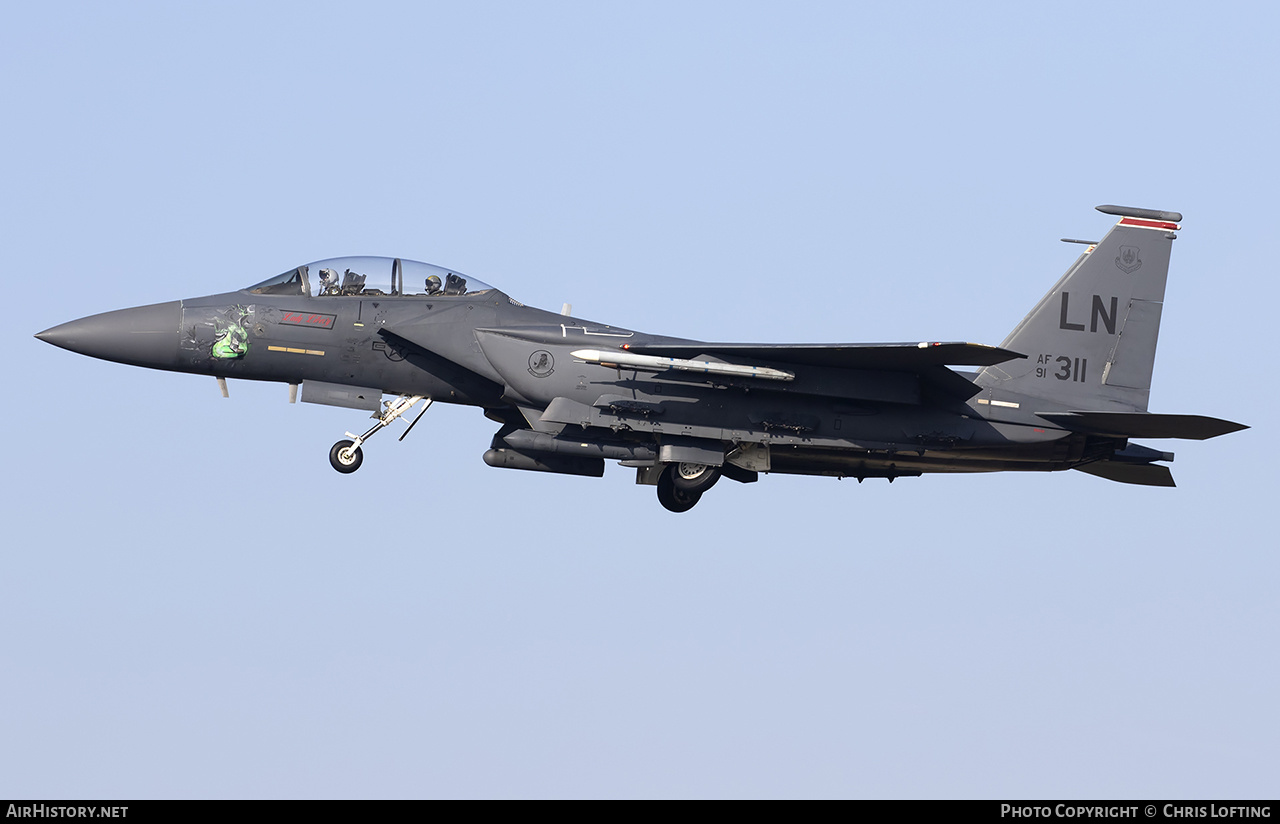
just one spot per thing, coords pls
(655, 363)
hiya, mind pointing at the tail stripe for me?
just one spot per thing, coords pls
(1150, 224)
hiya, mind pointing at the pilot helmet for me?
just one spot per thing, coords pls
(433, 284)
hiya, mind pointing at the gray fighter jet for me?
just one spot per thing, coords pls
(1067, 389)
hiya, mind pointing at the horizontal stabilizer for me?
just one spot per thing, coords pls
(1143, 424)
(1125, 473)
(894, 356)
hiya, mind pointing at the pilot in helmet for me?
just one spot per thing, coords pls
(328, 282)
(433, 284)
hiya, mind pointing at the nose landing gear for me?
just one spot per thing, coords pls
(346, 456)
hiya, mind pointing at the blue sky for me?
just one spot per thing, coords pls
(193, 604)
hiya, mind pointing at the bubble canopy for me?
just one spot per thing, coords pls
(370, 277)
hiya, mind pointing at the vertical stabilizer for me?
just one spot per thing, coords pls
(1091, 341)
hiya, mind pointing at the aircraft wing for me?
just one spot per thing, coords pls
(907, 357)
(772, 361)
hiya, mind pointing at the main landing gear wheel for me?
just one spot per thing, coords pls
(680, 485)
(693, 477)
(345, 459)
(673, 497)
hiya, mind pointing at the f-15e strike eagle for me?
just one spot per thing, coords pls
(1067, 389)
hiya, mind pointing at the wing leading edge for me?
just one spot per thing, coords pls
(908, 357)
(927, 361)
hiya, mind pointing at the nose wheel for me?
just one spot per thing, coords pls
(346, 455)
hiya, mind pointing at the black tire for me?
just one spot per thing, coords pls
(348, 463)
(672, 497)
(692, 477)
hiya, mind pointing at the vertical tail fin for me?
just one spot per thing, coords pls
(1091, 341)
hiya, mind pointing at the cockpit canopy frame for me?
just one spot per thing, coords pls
(369, 276)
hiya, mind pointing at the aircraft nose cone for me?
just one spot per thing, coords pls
(142, 336)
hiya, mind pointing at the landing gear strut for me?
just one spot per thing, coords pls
(346, 456)
(680, 486)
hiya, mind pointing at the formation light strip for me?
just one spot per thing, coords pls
(295, 351)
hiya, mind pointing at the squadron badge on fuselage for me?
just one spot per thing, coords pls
(541, 364)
